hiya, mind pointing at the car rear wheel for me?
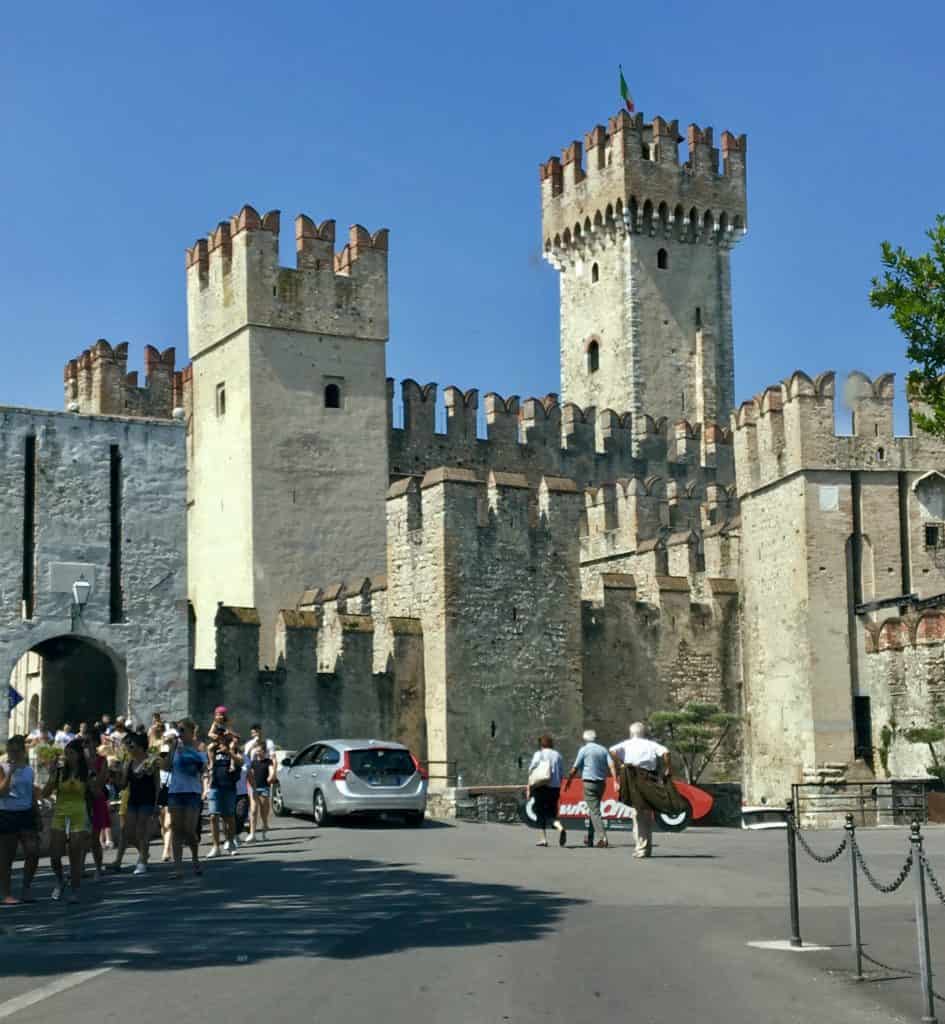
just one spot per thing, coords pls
(415, 818)
(320, 810)
(279, 808)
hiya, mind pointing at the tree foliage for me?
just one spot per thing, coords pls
(929, 735)
(913, 289)
(694, 735)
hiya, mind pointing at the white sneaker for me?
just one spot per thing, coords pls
(57, 892)
(226, 845)
(234, 849)
(140, 869)
(250, 839)
(214, 852)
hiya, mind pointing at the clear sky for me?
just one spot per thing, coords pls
(129, 133)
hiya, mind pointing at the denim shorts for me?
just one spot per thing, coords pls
(184, 800)
(222, 802)
(261, 791)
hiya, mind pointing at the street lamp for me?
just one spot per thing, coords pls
(80, 596)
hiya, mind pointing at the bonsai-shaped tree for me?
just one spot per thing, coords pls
(694, 735)
(930, 735)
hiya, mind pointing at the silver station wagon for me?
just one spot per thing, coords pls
(332, 778)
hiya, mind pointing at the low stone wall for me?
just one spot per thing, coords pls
(501, 804)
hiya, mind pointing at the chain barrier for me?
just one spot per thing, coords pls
(905, 971)
(820, 858)
(871, 878)
(932, 879)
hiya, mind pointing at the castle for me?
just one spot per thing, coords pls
(632, 544)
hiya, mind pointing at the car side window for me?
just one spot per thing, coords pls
(329, 755)
(307, 756)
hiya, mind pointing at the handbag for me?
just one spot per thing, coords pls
(540, 775)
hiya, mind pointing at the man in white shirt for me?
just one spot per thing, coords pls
(648, 756)
(64, 736)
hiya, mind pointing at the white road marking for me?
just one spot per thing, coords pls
(63, 984)
(786, 945)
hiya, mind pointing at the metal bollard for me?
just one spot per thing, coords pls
(792, 874)
(854, 899)
(922, 927)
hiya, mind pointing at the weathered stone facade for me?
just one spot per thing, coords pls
(586, 561)
(67, 484)
(641, 243)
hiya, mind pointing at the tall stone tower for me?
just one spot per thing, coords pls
(641, 242)
(288, 431)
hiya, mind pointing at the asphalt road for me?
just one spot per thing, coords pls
(469, 923)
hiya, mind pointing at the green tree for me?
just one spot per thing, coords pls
(694, 735)
(929, 735)
(913, 289)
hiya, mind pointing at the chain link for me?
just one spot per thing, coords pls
(829, 858)
(932, 879)
(871, 878)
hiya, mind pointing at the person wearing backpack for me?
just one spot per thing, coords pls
(545, 774)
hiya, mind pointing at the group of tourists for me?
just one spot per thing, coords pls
(157, 776)
(640, 766)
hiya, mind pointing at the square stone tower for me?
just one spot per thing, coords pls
(642, 244)
(288, 432)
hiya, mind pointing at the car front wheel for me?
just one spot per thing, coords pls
(279, 808)
(320, 810)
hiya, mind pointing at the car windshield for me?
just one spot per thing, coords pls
(378, 761)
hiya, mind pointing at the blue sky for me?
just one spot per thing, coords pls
(129, 134)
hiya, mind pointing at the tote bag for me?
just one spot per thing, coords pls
(540, 775)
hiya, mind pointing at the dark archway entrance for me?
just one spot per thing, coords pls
(75, 680)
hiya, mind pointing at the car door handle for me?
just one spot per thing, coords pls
(314, 771)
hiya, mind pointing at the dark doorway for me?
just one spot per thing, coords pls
(862, 730)
(78, 682)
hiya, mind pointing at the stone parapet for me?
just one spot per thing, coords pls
(632, 180)
(234, 279)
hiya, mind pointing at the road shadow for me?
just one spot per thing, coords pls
(270, 907)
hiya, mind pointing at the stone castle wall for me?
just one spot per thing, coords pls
(67, 533)
(833, 530)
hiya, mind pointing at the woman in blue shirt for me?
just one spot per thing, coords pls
(545, 794)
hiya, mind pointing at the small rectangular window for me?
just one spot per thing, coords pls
(221, 399)
(931, 536)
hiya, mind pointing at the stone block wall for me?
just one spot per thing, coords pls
(325, 681)
(491, 570)
(67, 533)
(538, 437)
(834, 529)
(97, 382)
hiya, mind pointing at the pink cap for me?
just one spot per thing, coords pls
(221, 710)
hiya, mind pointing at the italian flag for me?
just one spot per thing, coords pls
(625, 92)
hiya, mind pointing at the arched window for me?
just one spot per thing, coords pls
(662, 259)
(332, 396)
(595, 273)
(593, 357)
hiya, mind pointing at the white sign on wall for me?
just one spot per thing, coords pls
(829, 497)
(63, 574)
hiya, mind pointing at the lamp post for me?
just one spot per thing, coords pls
(81, 590)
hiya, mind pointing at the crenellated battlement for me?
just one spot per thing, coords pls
(677, 526)
(234, 278)
(98, 382)
(790, 427)
(536, 436)
(628, 177)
